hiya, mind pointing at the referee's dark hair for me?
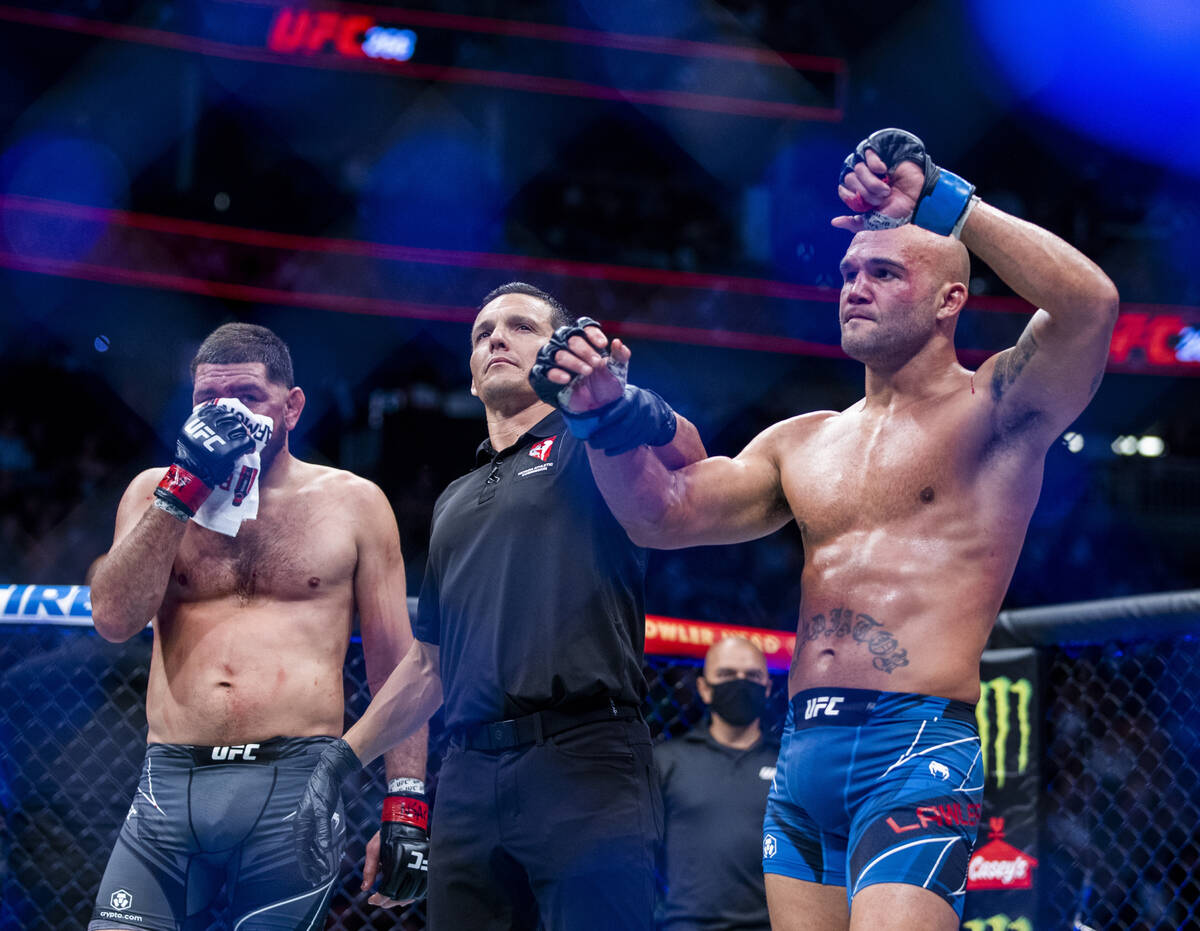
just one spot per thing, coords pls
(559, 315)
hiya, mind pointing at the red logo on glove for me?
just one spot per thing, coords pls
(407, 810)
(542, 449)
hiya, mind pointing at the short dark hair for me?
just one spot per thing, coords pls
(559, 315)
(247, 342)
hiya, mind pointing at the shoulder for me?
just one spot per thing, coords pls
(328, 480)
(140, 491)
(351, 493)
(147, 479)
(780, 437)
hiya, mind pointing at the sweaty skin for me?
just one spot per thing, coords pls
(912, 520)
(251, 631)
(913, 502)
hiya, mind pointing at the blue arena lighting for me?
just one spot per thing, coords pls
(59, 166)
(1126, 74)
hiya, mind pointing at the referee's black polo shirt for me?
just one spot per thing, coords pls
(714, 798)
(533, 592)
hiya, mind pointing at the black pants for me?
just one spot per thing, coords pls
(563, 832)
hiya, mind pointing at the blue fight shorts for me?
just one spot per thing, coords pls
(876, 787)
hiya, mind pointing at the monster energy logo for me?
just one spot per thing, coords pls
(998, 923)
(1000, 692)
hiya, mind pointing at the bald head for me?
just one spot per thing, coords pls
(944, 256)
(732, 655)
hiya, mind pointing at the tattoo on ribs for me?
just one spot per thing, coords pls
(1011, 362)
(887, 654)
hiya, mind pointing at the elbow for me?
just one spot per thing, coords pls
(110, 631)
(1107, 300)
(659, 526)
(109, 622)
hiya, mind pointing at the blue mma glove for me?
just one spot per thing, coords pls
(942, 205)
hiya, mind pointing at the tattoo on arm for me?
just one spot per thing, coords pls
(1011, 362)
(887, 654)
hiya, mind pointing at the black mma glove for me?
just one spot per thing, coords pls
(404, 841)
(207, 448)
(582, 423)
(943, 203)
(637, 417)
(317, 827)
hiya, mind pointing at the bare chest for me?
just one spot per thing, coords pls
(288, 553)
(860, 474)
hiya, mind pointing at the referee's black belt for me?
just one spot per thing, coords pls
(535, 727)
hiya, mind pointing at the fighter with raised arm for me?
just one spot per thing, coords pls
(913, 504)
(251, 629)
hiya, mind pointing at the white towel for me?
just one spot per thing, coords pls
(237, 499)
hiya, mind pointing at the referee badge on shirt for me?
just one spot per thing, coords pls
(540, 451)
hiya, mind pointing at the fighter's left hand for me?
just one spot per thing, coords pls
(371, 871)
(579, 369)
(872, 186)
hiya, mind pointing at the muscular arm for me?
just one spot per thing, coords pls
(380, 595)
(1048, 377)
(405, 702)
(131, 580)
(686, 448)
(713, 500)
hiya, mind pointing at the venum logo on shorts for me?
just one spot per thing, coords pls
(231, 753)
(766, 773)
(822, 704)
(769, 845)
(121, 899)
(998, 864)
(939, 770)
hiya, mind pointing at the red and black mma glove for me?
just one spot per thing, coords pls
(404, 841)
(638, 417)
(945, 200)
(206, 450)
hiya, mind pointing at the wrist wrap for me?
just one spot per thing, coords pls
(184, 488)
(638, 418)
(406, 809)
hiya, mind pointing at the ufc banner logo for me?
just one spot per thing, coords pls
(822, 704)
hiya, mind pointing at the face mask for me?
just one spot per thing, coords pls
(738, 701)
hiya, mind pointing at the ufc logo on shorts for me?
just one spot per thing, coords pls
(199, 430)
(822, 704)
(246, 752)
(418, 861)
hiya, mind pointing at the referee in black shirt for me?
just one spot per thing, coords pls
(715, 780)
(530, 627)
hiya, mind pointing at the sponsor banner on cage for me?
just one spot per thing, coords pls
(1002, 870)
(46, 604)
(672, 636)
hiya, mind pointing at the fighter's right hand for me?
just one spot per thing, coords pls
(207, 448)
(889, 180)
(313, 828)
(578, 370)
